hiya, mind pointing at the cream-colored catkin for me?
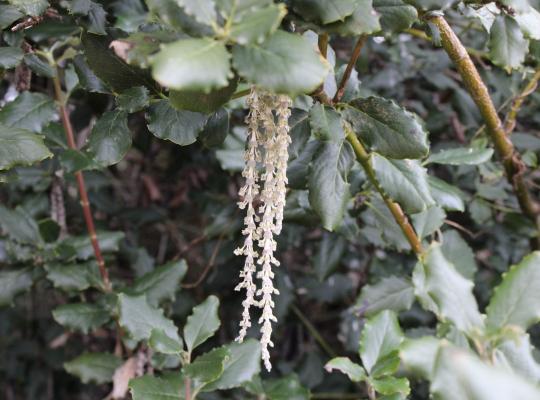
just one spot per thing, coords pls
(272, 137)
(248, 194)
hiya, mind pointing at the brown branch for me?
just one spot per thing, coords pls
(510, 120)
(208, 267)
(85, 204)
(352, 62)
(398, 214)
(513, 165)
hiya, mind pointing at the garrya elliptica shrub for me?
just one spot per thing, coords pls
(368, 167)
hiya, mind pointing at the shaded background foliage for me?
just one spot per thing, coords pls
(155, 201)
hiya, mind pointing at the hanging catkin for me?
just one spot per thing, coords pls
(267, 142)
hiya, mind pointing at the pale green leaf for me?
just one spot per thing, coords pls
(364, 20)
(405, 181)
(138, 318)
(516, 301)
(284, 63)
(418, 356)
(13, 282)
(10, 57)
(445, 195)
(323, 11)
(390, 384)
(326, 124)
(396, 15)
(460, 375)
(83, 317)
(517, 355)
(380, 337)
(8, 15)
(82, 245)
(257, 25)
(192, 64)
(507, 46)
(162, 343)
(74, 277)
(202, 323)
(20, 226)
(391, 293)
(204, 11)
(169, 387)
(242, 365)
(93, 367)
(387, 128)
(461, 156)
(458, 252)
(286, 388)
(439, 284)
(160, 284)
(207, 367)
(343, 364)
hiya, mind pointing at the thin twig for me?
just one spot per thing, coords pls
(352, 62)
(399, 216)
(85, 204)
(208, 267)
(314, 332)
(511, 159)
(510, 120)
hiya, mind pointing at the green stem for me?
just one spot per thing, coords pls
(513, 165)
(314, 332)
(399, 216)
(240, 93)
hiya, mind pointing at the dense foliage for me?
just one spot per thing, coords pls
(407, 259)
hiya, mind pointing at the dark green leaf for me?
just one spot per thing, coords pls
(179, 126)
(286, 388)
(331, 249)
(328, 184)
(326, 123)
(204, 11)
(216, 129)
(200, 101)
(110, 139)
(459, 253)
(364, 20)
(40, 67)
(387, 128)
(20, 147)
(30, 111)
(133, 99)
(109, 68)
(108, 241)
